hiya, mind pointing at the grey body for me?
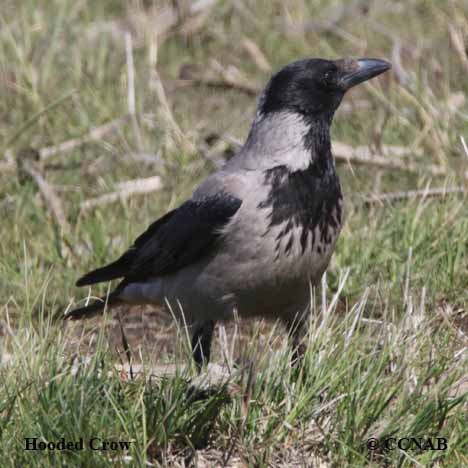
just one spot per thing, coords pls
(259, 232)
(246, 273)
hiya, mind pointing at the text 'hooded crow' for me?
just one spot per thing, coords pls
(257, 233)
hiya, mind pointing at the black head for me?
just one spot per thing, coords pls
(315, 87)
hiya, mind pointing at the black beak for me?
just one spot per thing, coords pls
(357, 71)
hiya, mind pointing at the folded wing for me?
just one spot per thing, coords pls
(177, 239)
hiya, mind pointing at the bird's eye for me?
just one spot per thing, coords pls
(327, 79)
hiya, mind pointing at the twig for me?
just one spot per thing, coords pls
(124, 191)
(131, 89)
(27, 166)
(343, 150)
(257, 56)
(395, 196)
(218, 76)
(233, 77)
(54, 205)
(362, 155)
(93, 135)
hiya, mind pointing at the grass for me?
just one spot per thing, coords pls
(387, 348)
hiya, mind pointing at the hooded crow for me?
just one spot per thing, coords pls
(256, 234)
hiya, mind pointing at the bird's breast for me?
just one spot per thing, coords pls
(303, 212)
(279, 241)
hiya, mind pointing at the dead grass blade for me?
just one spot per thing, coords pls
(363, 156)
(219, 76)
(125, 190)
(426, 193)
(28, 166)
(456, 37)
(131, 89)
(95, 134)
(256, 54)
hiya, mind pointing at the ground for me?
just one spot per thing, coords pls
(141, 100)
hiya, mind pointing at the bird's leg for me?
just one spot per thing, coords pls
(201, 342)
(297, 328)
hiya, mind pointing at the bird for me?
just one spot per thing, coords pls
(260, 231)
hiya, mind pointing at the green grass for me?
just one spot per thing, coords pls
(360, 379)
(387, 352)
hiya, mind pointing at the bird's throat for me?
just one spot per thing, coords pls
(317, 143)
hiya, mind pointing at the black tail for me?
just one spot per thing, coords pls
(114, 270)
(91, 310)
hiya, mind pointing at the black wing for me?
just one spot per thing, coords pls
(177, 239)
